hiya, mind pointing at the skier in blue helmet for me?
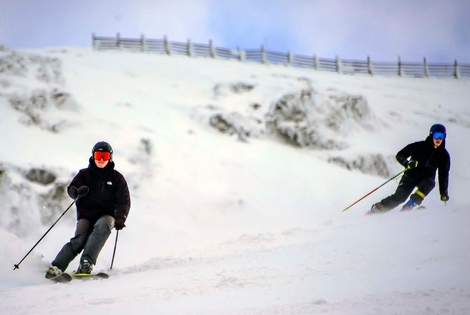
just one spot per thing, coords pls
(421, 159)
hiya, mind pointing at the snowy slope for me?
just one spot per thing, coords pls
(242, 222)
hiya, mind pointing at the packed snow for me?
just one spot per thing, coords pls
(239, 174)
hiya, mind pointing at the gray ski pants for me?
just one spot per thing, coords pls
(89, 238)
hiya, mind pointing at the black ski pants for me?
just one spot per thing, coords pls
(405, 188)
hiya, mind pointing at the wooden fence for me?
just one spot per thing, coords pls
(344, 66)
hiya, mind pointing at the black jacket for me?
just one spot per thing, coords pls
(429, 160)
(108, 193)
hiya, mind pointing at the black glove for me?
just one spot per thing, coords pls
(82, 191)
(119, 223)
(75, 192)
(411, 164)
(444, 196)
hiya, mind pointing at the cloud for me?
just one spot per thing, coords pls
(179, 20)
(356, 28)
(384, 29)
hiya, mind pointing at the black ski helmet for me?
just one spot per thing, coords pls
(103, 146)
(437, 128)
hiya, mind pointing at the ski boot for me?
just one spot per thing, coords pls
(409, 205)
(374, 209)
(85, 267)
(52, 272)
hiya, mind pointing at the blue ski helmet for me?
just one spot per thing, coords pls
(438, 131)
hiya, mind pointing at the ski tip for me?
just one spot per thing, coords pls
(63, 277)
(102, 275)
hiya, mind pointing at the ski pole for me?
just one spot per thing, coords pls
(114, 251)
(374, 190)
(17, 266)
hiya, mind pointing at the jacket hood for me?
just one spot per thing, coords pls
(429, 140)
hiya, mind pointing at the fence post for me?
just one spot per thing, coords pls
(211, 49)
(456, 70)
(241, 55)
(94, 42)
(315, 62)
(118, 41)
(166, 46)
(290, 58)
(338, 65)
(425, 65)
(264, 58)
(369, 66)
(399, 67)
(190, 48)
(143, 43)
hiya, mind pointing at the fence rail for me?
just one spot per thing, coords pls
(344, 66)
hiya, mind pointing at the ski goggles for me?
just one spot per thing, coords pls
(439, 135)
(98, 155)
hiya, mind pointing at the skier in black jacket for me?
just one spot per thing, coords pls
(103, 202)
(422, 159)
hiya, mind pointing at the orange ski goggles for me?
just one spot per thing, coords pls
(98, 155)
